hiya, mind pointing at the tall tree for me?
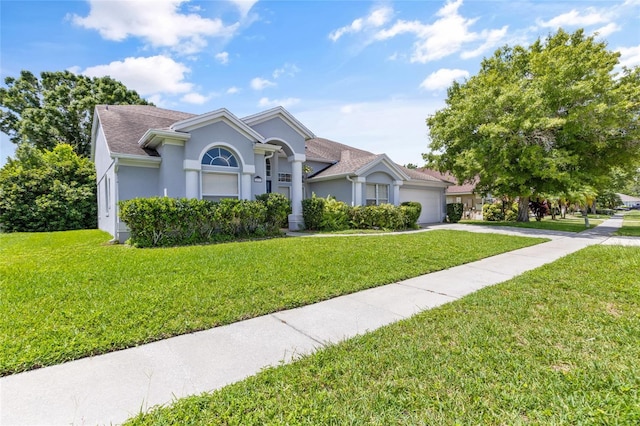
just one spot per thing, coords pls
(57, 108)
(549, 118)
(47, 191)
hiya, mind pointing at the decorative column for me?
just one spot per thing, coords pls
(245, 184)
(358, 185)
(296, 221)
(396, 191)
(192, 178)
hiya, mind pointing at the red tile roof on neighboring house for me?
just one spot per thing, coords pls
(466, 188)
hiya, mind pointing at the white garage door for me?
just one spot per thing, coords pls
(430, 200)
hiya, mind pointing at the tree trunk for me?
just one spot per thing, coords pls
(585, 214)
(523, 209)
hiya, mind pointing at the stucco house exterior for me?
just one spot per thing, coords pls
(460, 193)
(145, 151)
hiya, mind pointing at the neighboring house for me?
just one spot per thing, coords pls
(145, 151)
(629, 201)
(460, 193)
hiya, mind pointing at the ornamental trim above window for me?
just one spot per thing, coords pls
(219, 156)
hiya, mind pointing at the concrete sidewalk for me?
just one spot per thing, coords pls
(113, 387)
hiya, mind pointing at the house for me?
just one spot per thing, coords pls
(145, 151)
(460, 193)
(629, 201)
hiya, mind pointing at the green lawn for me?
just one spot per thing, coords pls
(570, 224)
(555, 346)
(630, 224)
(67, 295)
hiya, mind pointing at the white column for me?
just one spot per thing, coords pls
(396, 191)
(358, 185)
(296, 221)
(192, 178)
(245, 188)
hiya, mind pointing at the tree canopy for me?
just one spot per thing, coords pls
(548, 118)
(57, 107)
(47, 191)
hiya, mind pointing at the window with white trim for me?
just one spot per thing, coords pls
(377, 194)
(268, 167)
(219, 156)
(220, 176)
(284, 177)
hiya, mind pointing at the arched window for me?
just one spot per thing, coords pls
(220, 174)
(219, 157)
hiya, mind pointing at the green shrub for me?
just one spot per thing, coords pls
(278, 209)
(412, 210)
(47, 191)
(312, 209)
(163, 221)
(335, 215)
(454, 212)
(494, 212)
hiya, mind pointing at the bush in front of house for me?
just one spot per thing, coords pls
(412, 210)
(454, 212)
(498, 211)
(312, 209)
(278, 209)
(329, 214)
(163, 221)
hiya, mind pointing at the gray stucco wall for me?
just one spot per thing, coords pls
(277, 128)
(105, 182)
(339, 188)
(316, 166)
(218, 133)
(171, 174)
(134, 182)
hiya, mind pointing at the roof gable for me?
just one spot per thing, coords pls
(218, 115)
(284, 115)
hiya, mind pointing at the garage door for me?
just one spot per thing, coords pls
(430, 200)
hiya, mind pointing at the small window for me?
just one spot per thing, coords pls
(377, 194)
(268, 166)
(219, 157)
(284, 177)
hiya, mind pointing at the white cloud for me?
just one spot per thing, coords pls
(443, 78)
(607, 30)
(148, 76)
(574, 18)
(244, 6)
(232, 90)
(445, 36)
(287, 69)
(222, 57)
(259, 83)
(629, 56)
(270, 103)
(377, 18)
(195, 98)
(159, 24)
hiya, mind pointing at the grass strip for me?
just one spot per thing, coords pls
(568, 225)
(556, 345)
(68, 295)
(630, 225)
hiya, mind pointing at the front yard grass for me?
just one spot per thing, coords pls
(556, 345)
(570, 224)
(630, 225)
(67, 295)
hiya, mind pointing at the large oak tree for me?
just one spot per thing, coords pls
(548, 118)
(57, 107)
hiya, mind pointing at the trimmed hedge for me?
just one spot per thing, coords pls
(454, 212)
(329, 214)
(163, 221)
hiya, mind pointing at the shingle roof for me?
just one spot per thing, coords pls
(124, 125)
(466, 188)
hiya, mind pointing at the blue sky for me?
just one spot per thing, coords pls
(364, 73)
